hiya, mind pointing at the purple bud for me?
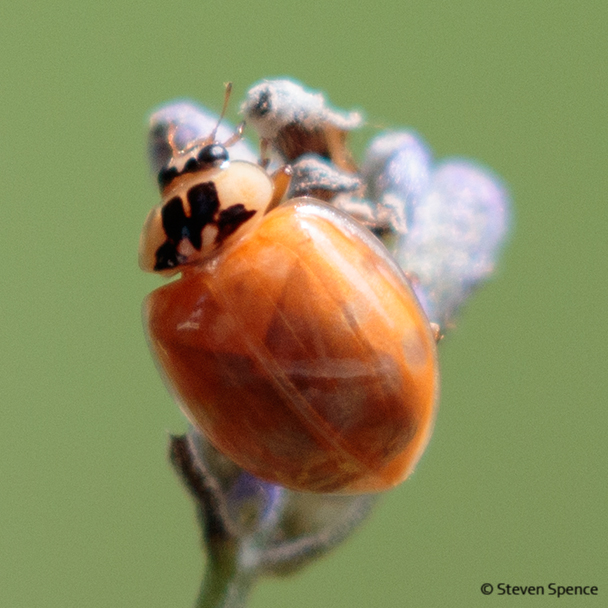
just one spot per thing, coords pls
(397, 170)
(455, 235)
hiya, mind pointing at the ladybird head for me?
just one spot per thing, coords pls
(173, 156)
(207, 200)
(198, 158)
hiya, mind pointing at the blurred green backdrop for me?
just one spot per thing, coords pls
(513, 486)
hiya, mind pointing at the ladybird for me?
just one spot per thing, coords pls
(291, 339)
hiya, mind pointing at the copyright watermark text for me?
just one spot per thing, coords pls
(550, 589)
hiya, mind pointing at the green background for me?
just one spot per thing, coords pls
(513, 486)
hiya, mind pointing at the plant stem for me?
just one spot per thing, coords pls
(226, 584)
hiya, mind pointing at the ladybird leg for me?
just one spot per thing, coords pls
(281, 179)
(436, 332)
(238, 135)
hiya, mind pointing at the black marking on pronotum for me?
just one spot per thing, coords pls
(175, 222)
(168, 257)
(175, 225)
(212, 155)
(204, 206)
(230, 219)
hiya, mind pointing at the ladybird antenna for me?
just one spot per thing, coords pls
(238, 135)
(228, 86)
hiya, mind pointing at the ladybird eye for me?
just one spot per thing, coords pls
(213, 154)
(166, 175)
